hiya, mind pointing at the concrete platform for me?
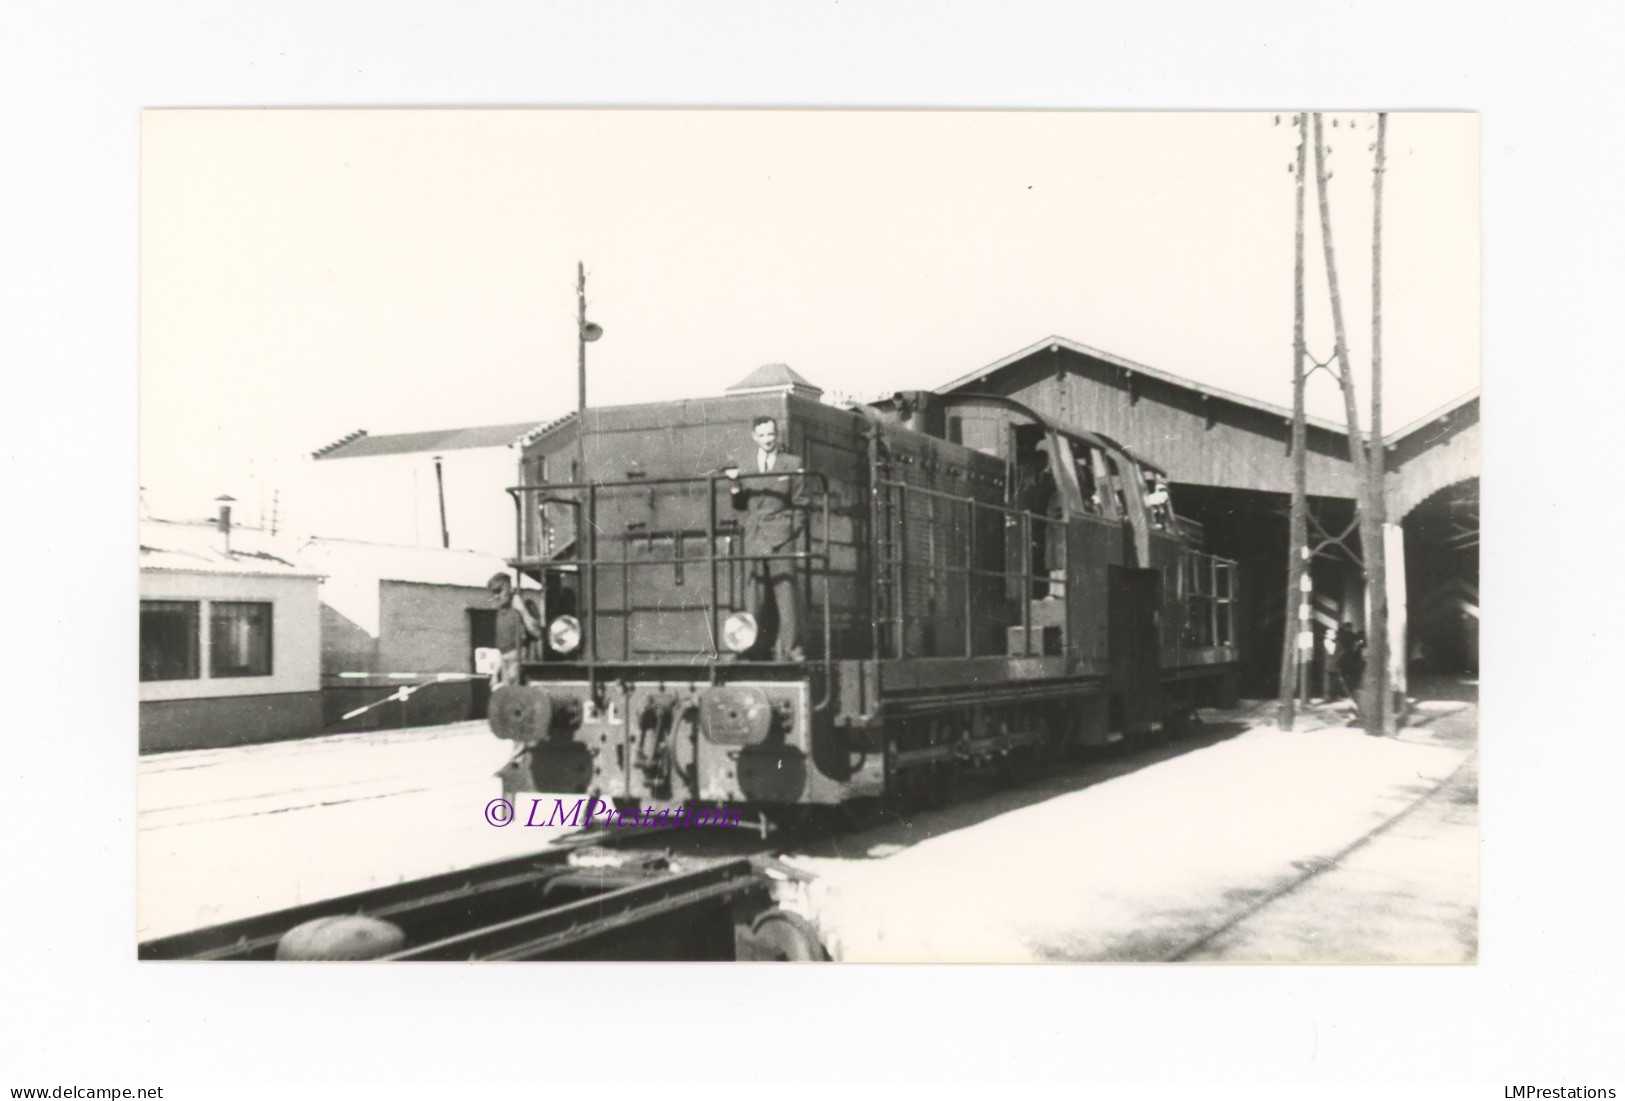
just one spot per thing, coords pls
(1408, 895)
(1256, 847)
(229, 833)
(1240, 843)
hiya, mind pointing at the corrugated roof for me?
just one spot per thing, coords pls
(183, 562)
(543, 429)
(1138, 368)
(359, 445)
(198, 547)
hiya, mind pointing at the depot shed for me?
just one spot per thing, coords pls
(1229, 458)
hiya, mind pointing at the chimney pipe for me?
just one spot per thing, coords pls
(223, 523)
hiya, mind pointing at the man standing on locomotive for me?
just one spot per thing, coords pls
(773, 509)
(516, 625)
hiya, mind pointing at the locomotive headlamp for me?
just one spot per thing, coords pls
(564, 634)
(739, 632)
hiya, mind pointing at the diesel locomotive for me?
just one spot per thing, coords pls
(980, 589)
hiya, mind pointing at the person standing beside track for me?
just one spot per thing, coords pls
(1350, 657)
(516, 625)
(773, 525)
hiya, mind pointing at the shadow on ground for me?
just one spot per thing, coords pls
(980, 799)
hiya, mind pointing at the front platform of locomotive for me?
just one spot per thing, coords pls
(655, 688)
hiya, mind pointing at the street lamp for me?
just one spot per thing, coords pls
(586, 333)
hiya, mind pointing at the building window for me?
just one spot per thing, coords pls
(169, 640)
(239, 639)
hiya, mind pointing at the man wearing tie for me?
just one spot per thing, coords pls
(773, 509)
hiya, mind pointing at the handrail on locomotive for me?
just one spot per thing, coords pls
(587, 565)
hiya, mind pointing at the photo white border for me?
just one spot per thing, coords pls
(1542, 1003)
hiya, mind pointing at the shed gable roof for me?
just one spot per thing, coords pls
(1213, 392)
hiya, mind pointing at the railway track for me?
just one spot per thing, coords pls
(606, 893)
(591, 897)
(1197, 946)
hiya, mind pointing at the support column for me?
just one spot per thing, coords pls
(1353, 597)
(1393, 543)
(1306, 631)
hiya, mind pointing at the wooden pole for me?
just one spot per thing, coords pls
(1376, 556)
(1298, 523)
(1359, 456)
(440, 493)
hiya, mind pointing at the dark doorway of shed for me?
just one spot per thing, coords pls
(482, 633)
(1441, 581)
(1250, 527)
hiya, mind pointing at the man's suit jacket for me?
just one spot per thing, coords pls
(774, 506)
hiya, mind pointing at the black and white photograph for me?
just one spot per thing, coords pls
(979, 503)
(852, 536)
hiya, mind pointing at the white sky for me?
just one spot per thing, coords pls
(306, 273)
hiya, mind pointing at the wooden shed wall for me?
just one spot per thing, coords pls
(1195, 438)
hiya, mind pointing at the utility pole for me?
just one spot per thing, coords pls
(1382, 717)
(1361, 458)
(1298, 524)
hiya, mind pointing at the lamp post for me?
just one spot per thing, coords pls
(586, 332)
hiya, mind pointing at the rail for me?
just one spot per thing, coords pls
(543, 906)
